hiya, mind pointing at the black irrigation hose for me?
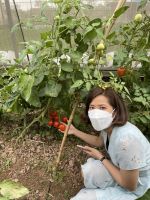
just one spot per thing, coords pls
(20, 26)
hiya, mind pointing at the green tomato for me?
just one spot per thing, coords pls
(57, 17)
(8, 110)
(67, 9)
(138, 18)
(92, 61)
(100, 46)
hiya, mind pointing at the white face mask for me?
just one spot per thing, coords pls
(100, 119)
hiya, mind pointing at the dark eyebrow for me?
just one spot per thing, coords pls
(100, 105)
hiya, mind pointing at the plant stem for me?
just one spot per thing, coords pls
(33, 121)
(66, 133)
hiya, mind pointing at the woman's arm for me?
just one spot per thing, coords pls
(125, 178)
(93, 140)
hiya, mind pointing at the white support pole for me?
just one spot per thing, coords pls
(10, 24)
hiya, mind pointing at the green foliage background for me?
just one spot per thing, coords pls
(60, 72)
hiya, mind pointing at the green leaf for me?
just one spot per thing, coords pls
(90, 35)
(88, 86)
(51, 89)
(99, 33)
(139, 99)
(25, 85)
(3, 198)
(44, 35)
(85, 74)
(144, 59)
(76, 56)
(78, 83)
(110, 36)
(38, 79)
(96, 22)
(77, 38)
(12, 190)
(31, 49)
(49, 43)
(16, 107)
(82, 47)
(142, 4)
(147, 114)
(143, 119)
(34, 98)
(22, 55)
(69, 22)
(67, 67)
(120, 11)
(126, 89)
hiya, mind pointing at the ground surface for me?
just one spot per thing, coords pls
(30, 161)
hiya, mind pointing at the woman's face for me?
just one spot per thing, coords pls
(101, 102)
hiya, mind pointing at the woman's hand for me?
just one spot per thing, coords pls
(72, 129)
(93, 152)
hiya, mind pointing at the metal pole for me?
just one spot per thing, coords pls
(22, 33)
(10, 24)
(3, 19)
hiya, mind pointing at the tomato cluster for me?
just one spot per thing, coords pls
(54, 121)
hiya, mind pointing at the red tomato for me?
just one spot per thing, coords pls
(56, 118)
(65, 119)
(121, 71)
(51, 118)
(56, 124)
(50, 123)
(54, 114)
(62, 127)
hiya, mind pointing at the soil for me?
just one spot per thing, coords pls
(31, 161)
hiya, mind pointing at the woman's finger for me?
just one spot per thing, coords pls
(88, 152)
(88, 148)
(61, 131)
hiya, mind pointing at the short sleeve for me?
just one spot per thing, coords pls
(130, 153)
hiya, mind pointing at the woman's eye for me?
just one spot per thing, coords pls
(91, 108)
(102, 108)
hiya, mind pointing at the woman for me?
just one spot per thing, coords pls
(126, 175)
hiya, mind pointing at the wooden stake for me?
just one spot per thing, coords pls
(65, 134)
(110, 25)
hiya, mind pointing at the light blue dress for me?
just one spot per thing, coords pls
(128, 149)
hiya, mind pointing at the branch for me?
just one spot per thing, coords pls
(66, 133)
(33, 121)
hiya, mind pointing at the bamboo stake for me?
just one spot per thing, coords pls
(109, 25)
(65, 134)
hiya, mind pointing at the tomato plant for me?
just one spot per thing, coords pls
(66, 62)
